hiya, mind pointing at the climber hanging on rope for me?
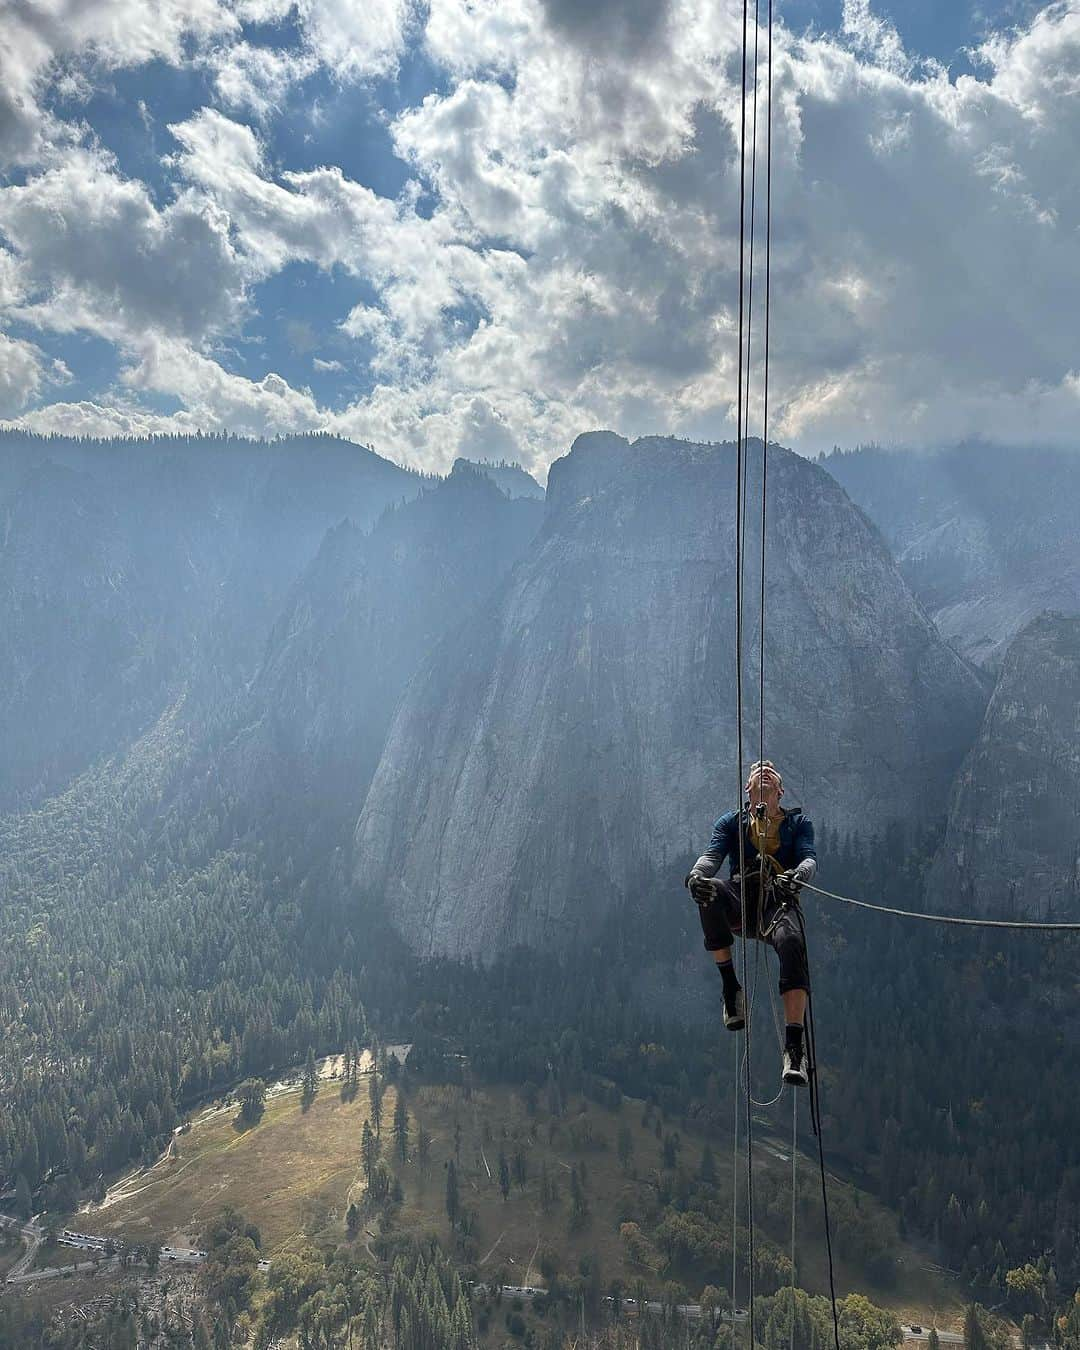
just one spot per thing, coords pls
(780, 844)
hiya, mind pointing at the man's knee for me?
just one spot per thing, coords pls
(788, 942)
(791, 949)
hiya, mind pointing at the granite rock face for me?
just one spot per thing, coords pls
(133, 571)
(508, 478)
(1012, 844)
(573, 742)
(985, 536)
(356, 625)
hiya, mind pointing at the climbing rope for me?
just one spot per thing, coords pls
(1033, 926)
(745, 334)
(794, 1203)
(735, 1191)
(739, 499)
(815, 1124)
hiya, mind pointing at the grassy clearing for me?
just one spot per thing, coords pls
(288, 1174)
(295, 1172)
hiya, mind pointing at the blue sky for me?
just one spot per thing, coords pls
(462, 226)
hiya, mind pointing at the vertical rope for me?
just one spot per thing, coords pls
(794, 1193)
(750, 274)
(815, 1122)
(739, 496)
(735, 1190)
(765, 386)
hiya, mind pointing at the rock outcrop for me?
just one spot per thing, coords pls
(133, 570)
(985, 536)
(357, 624)
(574, 741)
(1012, 844)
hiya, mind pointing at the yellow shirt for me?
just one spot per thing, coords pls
(765, 835)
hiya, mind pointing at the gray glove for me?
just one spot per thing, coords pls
(788, 884)
(701, 887)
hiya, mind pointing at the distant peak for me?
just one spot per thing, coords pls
(510, 478)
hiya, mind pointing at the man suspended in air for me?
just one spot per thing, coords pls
(784, 840)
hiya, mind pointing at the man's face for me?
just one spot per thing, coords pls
(764, 787)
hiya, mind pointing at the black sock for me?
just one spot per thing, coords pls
(731, 980)
(793, 1034)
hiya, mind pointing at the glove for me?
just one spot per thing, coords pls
(701, 887)
(787, 885)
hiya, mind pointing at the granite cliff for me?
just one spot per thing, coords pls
(985, 536)
(355, 626)
(1012, 843)
(571, 743)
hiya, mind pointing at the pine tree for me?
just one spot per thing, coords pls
(375, 1097)
(311, 1078)
(974, 1336)
(401, 1126)
(504, 1176)
(626, 1146)
(423, 1150)
(453, 1200)
(369, 1152)
(24, 1203)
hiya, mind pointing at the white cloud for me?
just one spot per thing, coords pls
(566, 253)
(875, 37)
(96, 34)
(21, 374)
(106, 420)
(356, 39)
(96, 254)
(215, 399)
(257, 79)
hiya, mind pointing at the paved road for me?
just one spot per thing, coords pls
(33, 1235)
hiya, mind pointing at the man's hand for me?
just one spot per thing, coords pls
(701, 887)
(787, 885)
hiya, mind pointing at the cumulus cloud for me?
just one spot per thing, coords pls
(21, 374)
(356, 38)
(257, 79)
(566, 251)
(925, 274)
(96, 254)
(215, 399)
(107, 419)
(39, 39)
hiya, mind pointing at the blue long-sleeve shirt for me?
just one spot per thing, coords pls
(796, 844)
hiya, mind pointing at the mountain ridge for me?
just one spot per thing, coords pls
(595, 691)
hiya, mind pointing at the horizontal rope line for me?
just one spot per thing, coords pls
(946, 918)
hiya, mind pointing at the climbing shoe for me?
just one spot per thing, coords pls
(795, 1067)
(735, 1011)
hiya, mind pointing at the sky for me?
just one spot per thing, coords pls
(481, 227)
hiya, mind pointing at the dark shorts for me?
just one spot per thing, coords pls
(721, 921)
